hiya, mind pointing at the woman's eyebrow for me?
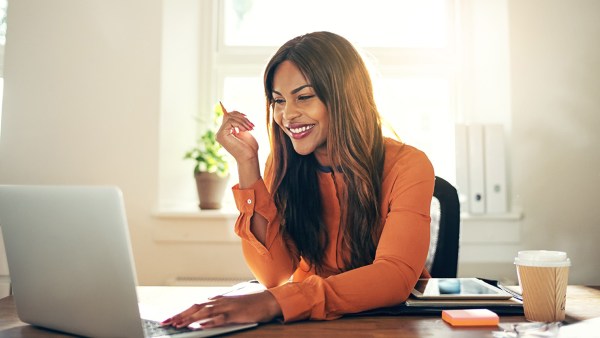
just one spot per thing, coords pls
(295, 90)
(300, 88)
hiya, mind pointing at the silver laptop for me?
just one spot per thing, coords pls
(71, 263)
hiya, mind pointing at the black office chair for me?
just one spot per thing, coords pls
(442, 259)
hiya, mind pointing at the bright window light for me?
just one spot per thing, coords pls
(377, 23)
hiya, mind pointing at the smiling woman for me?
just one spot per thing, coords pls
(339, 222)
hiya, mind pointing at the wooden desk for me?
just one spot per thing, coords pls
(582, 303)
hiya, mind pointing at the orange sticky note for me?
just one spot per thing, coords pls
(471, 317)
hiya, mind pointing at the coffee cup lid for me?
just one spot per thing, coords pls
(542, 258)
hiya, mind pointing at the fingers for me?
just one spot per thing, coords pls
(218, 320)
(217, 297)
(236, 122)
(184, 318)
(250, 308)
(202, 315)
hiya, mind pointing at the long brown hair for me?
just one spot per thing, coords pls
(355, 146)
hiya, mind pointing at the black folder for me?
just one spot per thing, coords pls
(413, 306)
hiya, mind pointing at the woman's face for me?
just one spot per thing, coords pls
(299, 112)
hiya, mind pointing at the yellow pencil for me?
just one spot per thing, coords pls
(223, 108)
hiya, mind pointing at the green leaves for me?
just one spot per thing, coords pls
(208, 153)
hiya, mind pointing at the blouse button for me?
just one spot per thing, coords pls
(249, 201)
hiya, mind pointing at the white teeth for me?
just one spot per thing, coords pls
(301, 129)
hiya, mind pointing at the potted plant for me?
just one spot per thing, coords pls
(212, 169)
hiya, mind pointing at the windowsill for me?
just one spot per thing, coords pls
(227, 212)
(190, 224)
(185, 224)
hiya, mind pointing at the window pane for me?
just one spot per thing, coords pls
(419, 110)
(376, 23)
(246, 95)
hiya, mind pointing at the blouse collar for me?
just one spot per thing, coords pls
(327, 169)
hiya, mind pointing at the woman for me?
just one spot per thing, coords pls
(342, 210)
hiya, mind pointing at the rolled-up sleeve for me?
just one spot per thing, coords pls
(271, 262)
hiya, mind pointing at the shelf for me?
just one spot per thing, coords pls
(515, 215)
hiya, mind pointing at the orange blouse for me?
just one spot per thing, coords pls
(407, 190)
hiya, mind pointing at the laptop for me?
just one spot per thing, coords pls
(71, 264)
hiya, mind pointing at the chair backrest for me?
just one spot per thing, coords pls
(442, 260)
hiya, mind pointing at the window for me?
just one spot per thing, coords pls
(409, 45)
(380, 23)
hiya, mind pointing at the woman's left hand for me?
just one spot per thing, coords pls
(222, 310)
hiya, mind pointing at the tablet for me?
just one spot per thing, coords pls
(457, 288)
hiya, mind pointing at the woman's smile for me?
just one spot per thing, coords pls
(298, 131)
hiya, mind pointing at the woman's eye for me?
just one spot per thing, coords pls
(305, 97)
(278, 101)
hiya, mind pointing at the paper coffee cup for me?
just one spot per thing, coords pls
(543, 276)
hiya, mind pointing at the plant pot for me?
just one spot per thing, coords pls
(211, 188)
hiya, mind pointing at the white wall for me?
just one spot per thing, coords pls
(554, 145)
(555, 70)
(83, 106)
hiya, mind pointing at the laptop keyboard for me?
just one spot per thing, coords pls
(154, 329)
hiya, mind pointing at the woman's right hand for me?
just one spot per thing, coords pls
(258, 307)
(234, 135)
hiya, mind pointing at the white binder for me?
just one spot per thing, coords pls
(475, 149)
(4, 278)
(495, 169)
(462, 165)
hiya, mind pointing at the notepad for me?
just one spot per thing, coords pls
(471, 317)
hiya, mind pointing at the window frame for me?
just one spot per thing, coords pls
(216, 61)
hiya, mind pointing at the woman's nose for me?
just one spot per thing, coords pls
(290, 112)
